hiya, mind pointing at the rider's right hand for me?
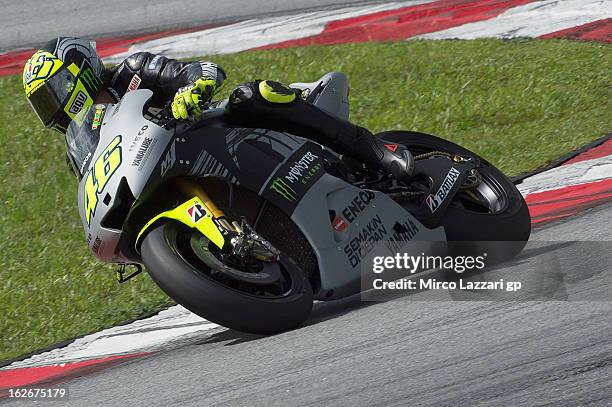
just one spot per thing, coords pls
(190, 100)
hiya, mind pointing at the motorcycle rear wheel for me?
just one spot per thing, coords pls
(503, 230)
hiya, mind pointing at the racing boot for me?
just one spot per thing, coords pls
(393, 159)
(275, 106)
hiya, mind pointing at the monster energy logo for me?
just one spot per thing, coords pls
(90, 79)
(283, 189)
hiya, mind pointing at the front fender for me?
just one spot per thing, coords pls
(192, 213)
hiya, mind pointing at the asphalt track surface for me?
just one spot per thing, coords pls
(30, 23)
(421, 349)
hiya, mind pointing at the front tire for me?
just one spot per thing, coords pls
(190, 283)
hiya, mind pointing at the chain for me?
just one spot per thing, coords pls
(432, 154)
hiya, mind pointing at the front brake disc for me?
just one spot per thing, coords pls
(269, 273)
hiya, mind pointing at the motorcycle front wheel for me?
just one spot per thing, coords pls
(274, 298)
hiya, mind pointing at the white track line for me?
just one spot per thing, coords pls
(253, 33)
(531, 20)
(171, 326)
(582, 172)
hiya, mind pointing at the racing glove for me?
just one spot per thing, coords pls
(189, 101)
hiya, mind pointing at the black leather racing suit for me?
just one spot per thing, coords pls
(162, 75)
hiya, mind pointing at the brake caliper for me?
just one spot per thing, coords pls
(246, 243)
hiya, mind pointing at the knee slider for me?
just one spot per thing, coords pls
(276, 92)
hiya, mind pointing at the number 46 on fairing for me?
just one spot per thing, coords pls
(104, 167)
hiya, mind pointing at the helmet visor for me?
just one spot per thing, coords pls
(49, 99)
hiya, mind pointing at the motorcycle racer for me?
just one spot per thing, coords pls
(66, 76)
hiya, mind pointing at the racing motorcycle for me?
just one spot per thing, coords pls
(247, 226)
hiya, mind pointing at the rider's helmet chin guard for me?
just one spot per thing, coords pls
(61, 79)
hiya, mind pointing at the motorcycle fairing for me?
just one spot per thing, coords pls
(341, 253)
(255, 159)
(141, 146)
(299, 185)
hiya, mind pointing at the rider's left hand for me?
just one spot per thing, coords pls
(190, 100)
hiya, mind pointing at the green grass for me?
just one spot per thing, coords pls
(518, 103)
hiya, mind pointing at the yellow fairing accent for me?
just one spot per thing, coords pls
(276, 92)
(41, 66)
(202, 220)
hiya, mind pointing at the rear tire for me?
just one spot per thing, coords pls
(502, 234)
(191, 286)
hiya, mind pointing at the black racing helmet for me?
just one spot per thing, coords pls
(61, 79)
